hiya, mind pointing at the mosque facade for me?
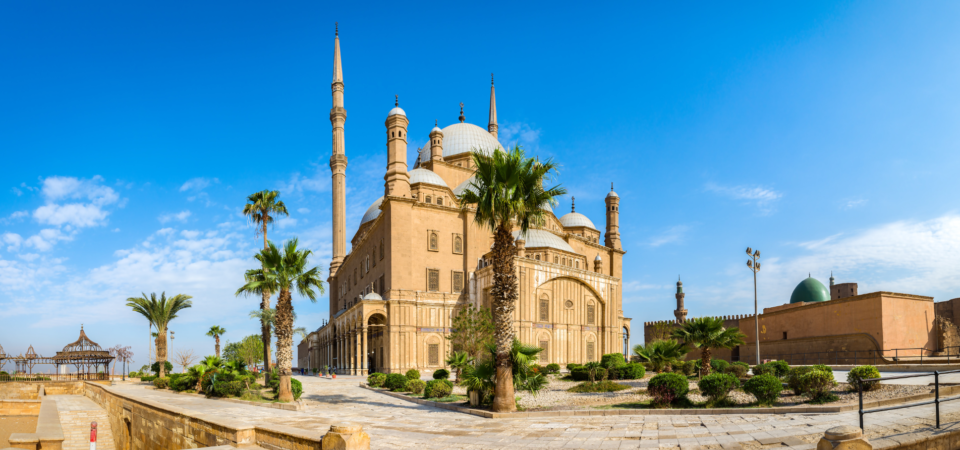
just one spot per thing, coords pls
(417, 258)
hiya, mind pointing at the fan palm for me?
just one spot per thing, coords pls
(507, 191)
(196, 373)
(707, 333)
(160, 312)
(262, 208)
(216, 331)
(661, 353)
(458, 361)
(268, 317)
(284, 271)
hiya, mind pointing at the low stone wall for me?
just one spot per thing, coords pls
(10, 407)
(49, 433)
(147, 425)
(28, 390)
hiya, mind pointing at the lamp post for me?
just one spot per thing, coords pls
(754, 266)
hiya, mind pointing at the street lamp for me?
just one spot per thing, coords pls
(754, 266)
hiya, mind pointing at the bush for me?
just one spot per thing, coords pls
(583, 374)
(416, 386)
(161, 383)
(441, 374)
(437, 389)
(376, 379)
(155, 368)
(553, 368)
(666, 388)
(780, 368)
(795, 375)
(689, 367)
(148, 378)
(764, 369)
(612, 360)
(228, 388)
(396, 382)
(131, 375)
(297, 388)
(413, 374)
(718, 385)
(572, 366)
(766, 388)
(183, 383)
(632, 371)
(718, 365)
(602, 386)
(817, 385)
(737, 370)
(862, 373)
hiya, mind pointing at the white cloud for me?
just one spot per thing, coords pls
(511, 134)
(672, 235)
(16, 216)
(286, 222)
(13, 241)
(28, 256)
(116, 230)
(851, 204)
(76, 214)
(181, 216)
(300, 184)
(763, 198)
(47, 238)
(197, 184)
(190, 234)
(16, 191)
(89, 212)
(303, 211)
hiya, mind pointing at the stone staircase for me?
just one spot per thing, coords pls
(76, 429)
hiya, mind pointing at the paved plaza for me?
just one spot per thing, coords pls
(394, 423)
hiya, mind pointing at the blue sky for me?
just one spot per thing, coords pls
(822, 133)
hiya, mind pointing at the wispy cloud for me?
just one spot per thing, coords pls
(85, 202)
(181, 216)
(672, 235)
(852, 204)
(763, 198)
(197, 184)
(512, 133)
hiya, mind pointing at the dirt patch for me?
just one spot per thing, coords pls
(15, 424)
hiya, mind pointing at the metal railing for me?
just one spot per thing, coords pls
(56, 377)
(936, 394)
(917, 355)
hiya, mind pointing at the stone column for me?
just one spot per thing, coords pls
(844, 437)
(365, 352)
(345, 436)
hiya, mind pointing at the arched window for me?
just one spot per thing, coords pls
(367, 268)
(544, 309)
(538, 257)
(393, 134)
(434, 245)
(556, 259)
(577, 264)
(591, 314)
(458, 245)
(429, 199)
(440, 200)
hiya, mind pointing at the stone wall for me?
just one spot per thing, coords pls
(27, 390)
(856, 349)
(10, 407)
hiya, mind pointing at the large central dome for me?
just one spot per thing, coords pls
(810, 291)
(462, 138)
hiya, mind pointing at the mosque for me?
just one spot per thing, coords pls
(416, 258)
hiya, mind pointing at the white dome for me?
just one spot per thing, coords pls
(612, 194)
(462, 186)
(463, 138)
(426, 176)
(539, 238)
(372, 296)
(576, 219)
(372, 212)
(436, 129)
(597, 258)
(397, 111)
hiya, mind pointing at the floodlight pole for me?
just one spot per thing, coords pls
(754, 266)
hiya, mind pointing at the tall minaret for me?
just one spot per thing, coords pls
(397, 179)
(680, 312)
(492, 124)
(338, 161)
(612, 237)
(436, 143)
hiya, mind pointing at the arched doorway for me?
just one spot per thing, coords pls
(626, 343)
(376, 337)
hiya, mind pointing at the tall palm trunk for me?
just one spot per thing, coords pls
(284, 329)
(504, 293)
(162, 350)
(264, 326)
(705, 361)
(217, 337)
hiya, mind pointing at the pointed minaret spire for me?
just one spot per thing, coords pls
(337, 68)
(461, 113)
(492, 123)
(338, 161)
(573, 204)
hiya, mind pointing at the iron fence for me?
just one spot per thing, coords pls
(918, 355)
(936, 395)
(57, 377)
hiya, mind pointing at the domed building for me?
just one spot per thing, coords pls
(417, 258)
(810, 291)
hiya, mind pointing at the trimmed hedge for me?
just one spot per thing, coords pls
(718, 385)
(553, 368)
(148, 378)
(766, 388)
(795, 375)
(583, 374)
(437, 389)
(817, 385)
(441, 374)
(780, 368)
(612, 360)
(413, 374)
(161, 383)
(376, 379)
(396, 382)
(229, 388)
(764, 369)
(631, 371)
(666, 388)
(737, 370)
(572, 366)
(416, 386)
(859, 373)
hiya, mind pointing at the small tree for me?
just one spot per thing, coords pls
(185, 359)
(707, 333)
(472, 331)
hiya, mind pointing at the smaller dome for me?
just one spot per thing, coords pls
(372, 296)
(426, 176)
(612, 194)
(436, 130)
(372, 212)
(397, 111)
(575, 219)
(810, 290)
(462, 186)
(540, 238)
(597, 258)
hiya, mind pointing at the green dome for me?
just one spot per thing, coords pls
(810, 290)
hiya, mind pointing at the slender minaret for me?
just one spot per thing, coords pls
(338, 161)
(492, 124)
(680, 312)
(436, 143)
(831, 278)
(397, 180)
(612, 237)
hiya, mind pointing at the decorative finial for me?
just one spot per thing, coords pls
(491, 78)
(434, 122)
(336, 29)
(611, 185)
(396, 100)
(573, 204)
(808, 275)
(461, 113)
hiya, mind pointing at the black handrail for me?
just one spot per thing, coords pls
(857, 357)
(936, 394)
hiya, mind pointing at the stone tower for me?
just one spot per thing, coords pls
(492, 123)
(397, 180)
(680, 312)
(338, 161)
(612, 237)
(436, 143)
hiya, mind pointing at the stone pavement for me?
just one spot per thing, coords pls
(76, 413)
(394, 423)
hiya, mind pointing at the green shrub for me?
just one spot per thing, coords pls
(437, 389)
(689, 367)
(780, 368)
(601, 386)
(764, 369)
(718, 385)
(131, 375)
(580, 374)
(862, 373)
(166, 365)
(181, 384)
(822, 367)
(396, 382)
(765, 387)
(148, 378)
(795, 375)
(413, 374)
(553, 368)
(632, 371)
(737, 370)
(572, 366)
(718, 365)
(741, 363)
(441, 374)
(161, 383)
(229, 388)
(817, 385)
(416, 386)
(612, 360)
(666, 388)
(376, 379)
(297, 388)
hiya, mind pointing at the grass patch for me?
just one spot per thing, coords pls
(601, 386)
(449, 399)
(829, 397)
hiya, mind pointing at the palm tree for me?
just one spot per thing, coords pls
(708, 333)
(458, 361)
(661, 353)
(267, 316)
(506, 192)
(284, 271)
(262, 207)
(160, 313)
(216, 331)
